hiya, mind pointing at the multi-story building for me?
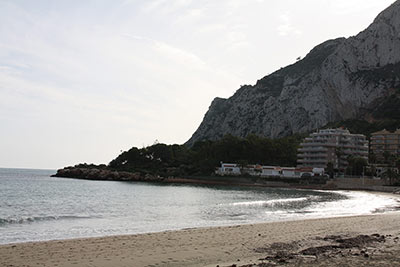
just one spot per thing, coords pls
(385, 141)
(331, 145)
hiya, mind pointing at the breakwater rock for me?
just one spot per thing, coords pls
(105, 174)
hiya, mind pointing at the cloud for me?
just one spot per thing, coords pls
(137, 70)
(120, 77)
(286, 26)
(166, 6)
(345, 7)
(182, 57)
(190, 16)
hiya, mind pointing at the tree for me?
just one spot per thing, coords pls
(392, 160)
(386, 156)
(339, 153)
(372, 170)
(372, 157)
(204, 156)
(242, 163)
(398, 163)
(356, 165)
(330, 169)
(392, 176)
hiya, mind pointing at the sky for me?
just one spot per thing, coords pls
(81, 81)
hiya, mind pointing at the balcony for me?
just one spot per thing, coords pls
(315, 161)
(317, 155)
(312, 149)
(314, 143)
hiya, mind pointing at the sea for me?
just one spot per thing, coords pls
(37, 207)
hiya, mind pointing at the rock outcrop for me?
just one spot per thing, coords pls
(104, 174)
(339, 79)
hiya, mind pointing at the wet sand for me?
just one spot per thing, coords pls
(314, 242)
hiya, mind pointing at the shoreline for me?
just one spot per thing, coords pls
(208, 246)
(384, 211)
(357, 184)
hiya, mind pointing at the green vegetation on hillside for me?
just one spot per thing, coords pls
(204, 156)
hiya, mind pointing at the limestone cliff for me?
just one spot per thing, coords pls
(339, 79)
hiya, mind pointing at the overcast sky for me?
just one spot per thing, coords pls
(82, 80)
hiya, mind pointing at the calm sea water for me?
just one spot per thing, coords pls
(34, 206)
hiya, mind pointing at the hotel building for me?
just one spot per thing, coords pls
(385, 141)
(331, 145)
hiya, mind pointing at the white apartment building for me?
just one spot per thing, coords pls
(331, 145)
(385, 141)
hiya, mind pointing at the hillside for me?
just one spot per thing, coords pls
(340, 79)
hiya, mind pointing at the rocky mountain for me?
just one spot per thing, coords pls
(339, 79)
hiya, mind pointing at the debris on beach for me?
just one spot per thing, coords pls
(320, 249)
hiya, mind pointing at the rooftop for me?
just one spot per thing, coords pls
(334, 131)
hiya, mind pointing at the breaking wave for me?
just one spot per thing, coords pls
(269, 202)
(28, 219)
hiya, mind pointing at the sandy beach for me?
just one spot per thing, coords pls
(315, 242)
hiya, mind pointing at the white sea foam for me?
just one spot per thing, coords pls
(31, 219)
(268, 202)
(356, 203)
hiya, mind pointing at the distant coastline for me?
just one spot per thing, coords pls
(102, 173)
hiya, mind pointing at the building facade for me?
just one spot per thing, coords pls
(229, 169)
(233, 169)
(331, 145)
(385, 141)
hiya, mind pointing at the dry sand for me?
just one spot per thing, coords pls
(276, 243)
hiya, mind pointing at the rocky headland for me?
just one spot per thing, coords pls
(104, 174)
(340, 79)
